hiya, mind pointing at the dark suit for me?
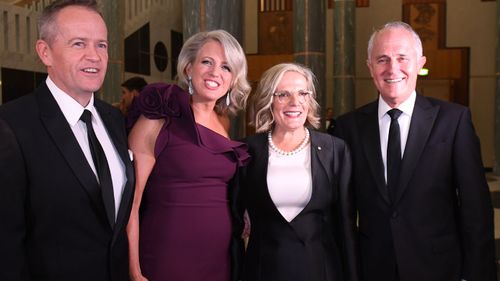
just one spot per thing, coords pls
(318, 244)
(440, 225)
(331, 126)
(54, 224)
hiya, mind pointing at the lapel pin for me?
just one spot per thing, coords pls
(319, 147)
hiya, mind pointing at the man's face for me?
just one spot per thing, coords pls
(394, 65)
(77, 57)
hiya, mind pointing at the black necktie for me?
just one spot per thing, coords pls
(101, 165)
(393, 153)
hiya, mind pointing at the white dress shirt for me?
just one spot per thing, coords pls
(72, 111)
(384, 122)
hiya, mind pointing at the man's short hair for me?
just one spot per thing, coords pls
(46, 22)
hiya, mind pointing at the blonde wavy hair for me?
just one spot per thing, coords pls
(236, 59)
(261, 102)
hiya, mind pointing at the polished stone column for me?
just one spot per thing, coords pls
(203, 15)
(344, 56)
(497, 99)
(309, 17)
(114, 15)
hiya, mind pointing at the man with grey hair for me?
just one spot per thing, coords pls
(423, 203)
(66, 179)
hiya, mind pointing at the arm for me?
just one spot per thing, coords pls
(142, 141)
(475, 212)
(13, 186)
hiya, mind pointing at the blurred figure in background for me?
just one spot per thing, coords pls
(329, 121)
(130, 89)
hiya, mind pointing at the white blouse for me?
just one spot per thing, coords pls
(289, 181)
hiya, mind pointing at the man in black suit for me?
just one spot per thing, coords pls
(329, 121)
(433, 220)
(64, 213)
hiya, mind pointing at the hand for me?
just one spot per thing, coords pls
(137, 277)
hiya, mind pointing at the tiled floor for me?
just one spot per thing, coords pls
(494, 183)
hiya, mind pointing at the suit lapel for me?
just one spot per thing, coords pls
(422, 121)
(321, 155)
(261, 160)
(370, 138)
(63, 137)
(321, 152)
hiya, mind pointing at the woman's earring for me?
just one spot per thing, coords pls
(228, 98)
(190, 86)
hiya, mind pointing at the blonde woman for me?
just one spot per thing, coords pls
(296, 187)
(180, 226)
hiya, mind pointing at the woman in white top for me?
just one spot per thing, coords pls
(296, 187)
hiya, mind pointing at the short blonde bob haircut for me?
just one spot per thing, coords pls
(261, 107)
(239, 88)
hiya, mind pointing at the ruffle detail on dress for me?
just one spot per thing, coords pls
(218, 144)
(241, 153)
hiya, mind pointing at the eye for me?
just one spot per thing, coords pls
(382, 60)
(282, 94)
(206, 62)
(102, 45)
(304, 93)
(403, 59)
(226, 68)
(78, 44)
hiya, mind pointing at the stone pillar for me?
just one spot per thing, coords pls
(497, 99)
(203, 15)
(309, 17)
(114, 15)
(344, 56)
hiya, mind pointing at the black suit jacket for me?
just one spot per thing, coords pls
(318, 244)
(440, 225)
(54, 224)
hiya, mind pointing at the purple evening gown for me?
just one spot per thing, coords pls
(185, 223)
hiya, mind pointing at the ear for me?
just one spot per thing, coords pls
(44, 52)
(189, 69)
(370, 68)
(421, 62)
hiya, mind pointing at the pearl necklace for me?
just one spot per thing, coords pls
(288, 153)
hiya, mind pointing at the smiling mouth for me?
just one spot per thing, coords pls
(211, 84)
(292, 113)
(390, 81)
(90, 70)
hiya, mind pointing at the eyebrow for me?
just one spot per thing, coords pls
(381, 56)
(87, 39)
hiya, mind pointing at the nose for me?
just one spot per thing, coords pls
(393, 64)
(92, 54)
(215, 71)
(294, 99)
